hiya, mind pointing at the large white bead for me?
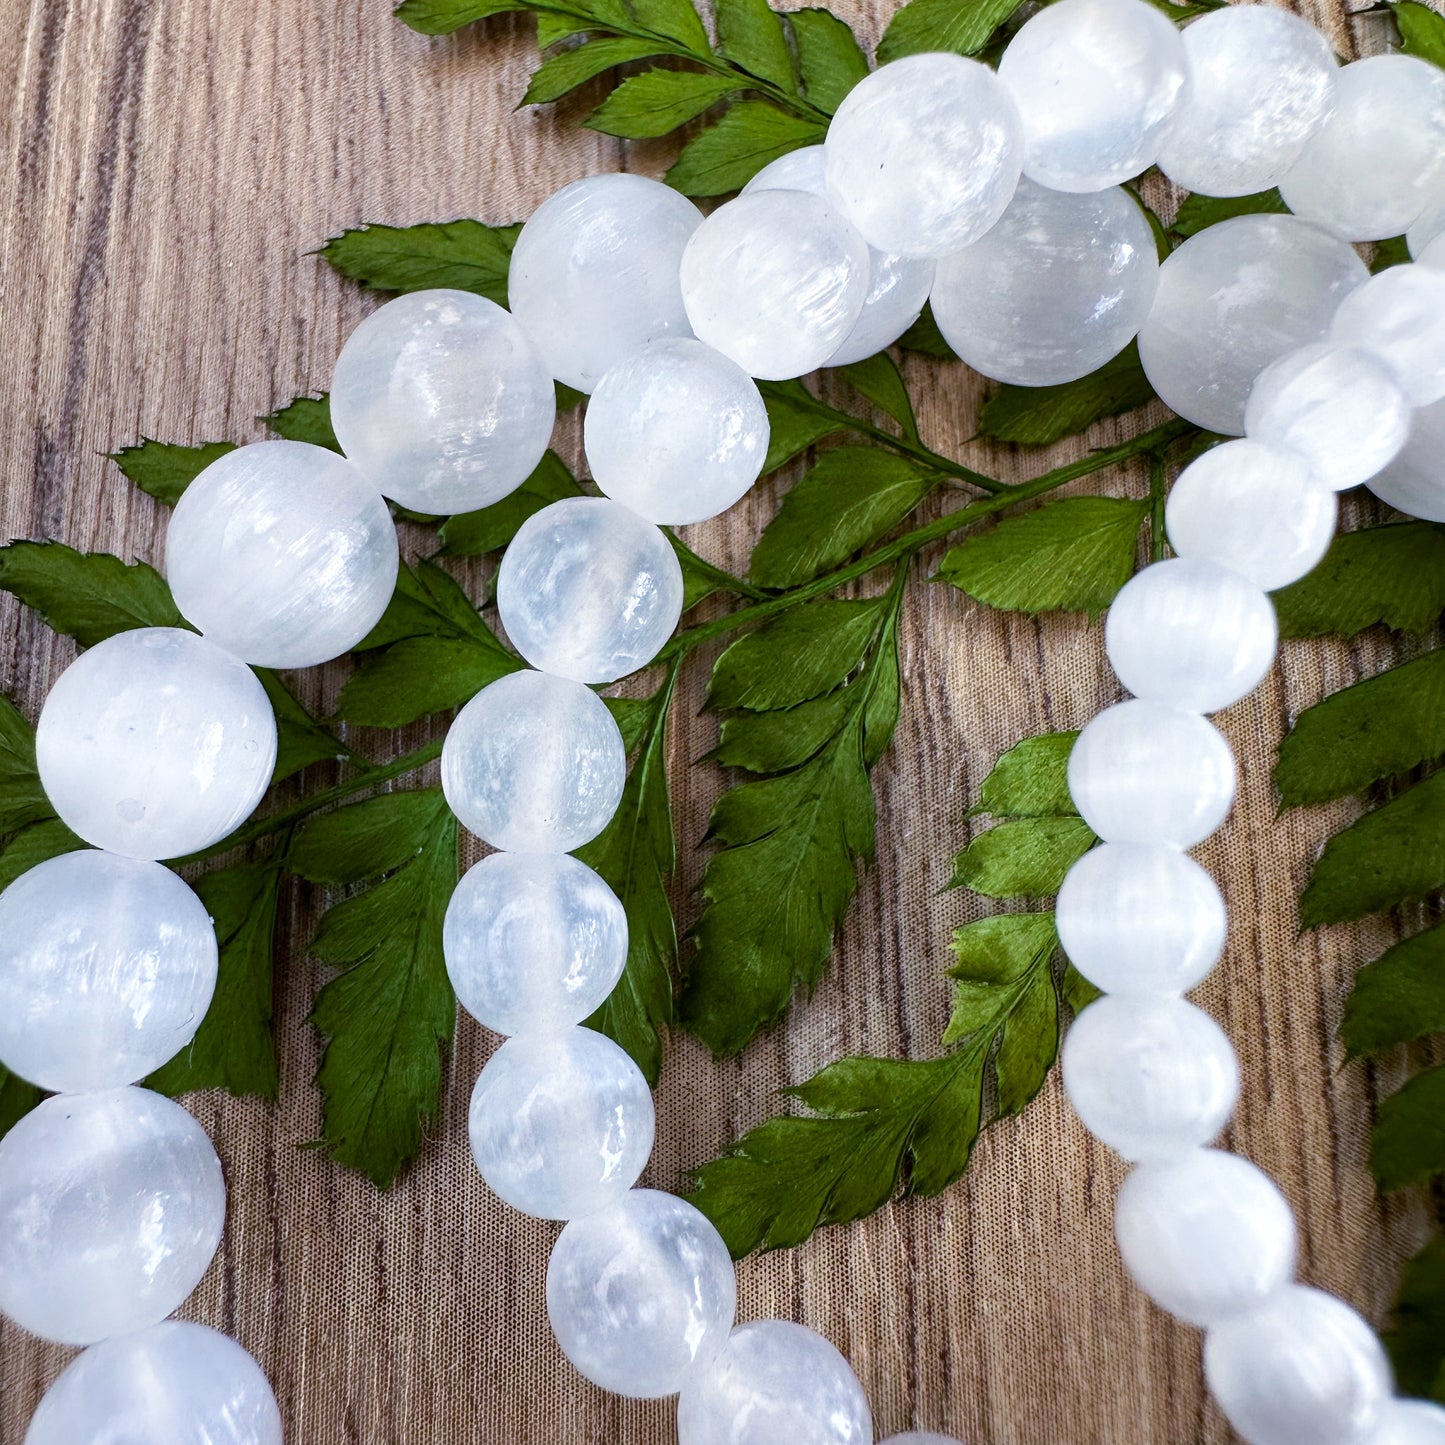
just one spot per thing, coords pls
(1061, 284)
(775, 1383)
(107, 967)
(171, 1384)
(155, 743)
(1410, 1422)
(442, 401)
(533, 941)
(1231, 300)
(641, 1293)
(1206, 1236)
(594, 273)
(282, 553)
(1422, 234)
(1399, 317)
(534, 764)
(561, 1123)
(775, 280)
(923, 155)
(1302, 1367)
(1415, 481)
(589, 590)
(1142, 772)
(1151, 1077)
(1096, 82)
(111, 1206)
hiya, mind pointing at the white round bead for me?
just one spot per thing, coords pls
(111, 1206)
(1434, 253)
(171, 1384)
(1399, 318)
(1302, 1367)
(1231, 300)
(1141, 772)
(1415, 481)
(775, 280)
(1425, 232)
(155, 743)
(923, 155)
(534, 764)
(1097, 83)
(561, 1123)
(1410, 1422)
(1151, 1077)
(282, 553)
(594, 273)
(107, 967)
(1061, 284)
(1206, 1236)
(641, 1293)
(589, 590)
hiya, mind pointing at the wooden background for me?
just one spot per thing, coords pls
(168, 165)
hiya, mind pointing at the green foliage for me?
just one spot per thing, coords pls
(307, 419)
(17, 1098)
(1416, 1341)
(965, 26)
(469, 534)
(458, 255)
(729, 153)
(86, 595)
(1398, 998)
(1198, 213)
(1422, 30)
(658, 101)
(1025, 858)
(1041, 415)
(164, 470)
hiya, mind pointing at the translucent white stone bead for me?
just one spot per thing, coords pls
(1206, 1236)
(107, 967)
(533, 941)
(641, 1293)
(676, 432)
(775, 1383)
(1097, 83)
(1423, 233)
(534, 764)
(1261, 82)
(923, 155)
(1415, 481)
(282, 553)
(1379, 159)
(1302, 1367)
(1399, 318)
(155, 743)
(1151, 1077)
(1140, 919)
(1337, 406)
(1254, 508)
(594, 273)
(1061, 284)
(1434, 253)
(111, 1206)
(589, 590)
(1410, 1422)
(1231, 300)
(172, 1384)
(775, 280)
(1141, 772)
(561, 1123)
(442, 401)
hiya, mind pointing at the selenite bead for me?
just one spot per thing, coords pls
(1059, 286)
(774, 1383)
(1434, 253)
(533, 941)
(155, 743)
(1254, 508)
(1339, 407)
(1410, 1422)
(641, 1293)
(775, 280)
(172, 1384)
(923, 155)
(1231, 300)
(1303, 1367)
(282, 553)
(1378, 160)
(1261, 82)
(534, 764)
(111, 1206)
(1415, 481)
(594, 273)
(1141, 772)
(1097, 83)
(561, 1123)
(1150, 1077)
(442, 401)
(1141, 919)
(1422, 234)
(589, 590)
(1399, 318)
(107, 967)
(1206, 1236)
(676, 432)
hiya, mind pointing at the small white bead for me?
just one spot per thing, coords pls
(1399, 317)
(1410, 1422)
(1415, 481)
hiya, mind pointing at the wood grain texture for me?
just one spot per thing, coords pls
(167, 167)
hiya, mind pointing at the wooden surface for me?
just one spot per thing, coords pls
(168, 165)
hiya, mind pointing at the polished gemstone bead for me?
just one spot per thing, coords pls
(1410, 1422)
(1424, 233)
(1415, 481)
(1399, 318)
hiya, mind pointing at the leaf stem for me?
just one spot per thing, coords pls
(1158, 491)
